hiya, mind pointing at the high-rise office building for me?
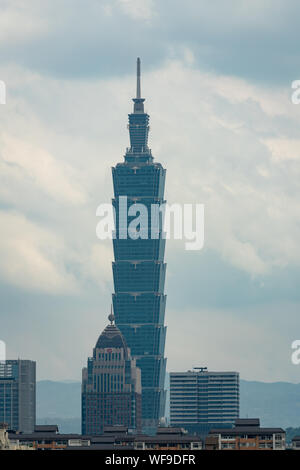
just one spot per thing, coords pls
(18, 394)
(111, 385)
(139, 269)
(200, 399)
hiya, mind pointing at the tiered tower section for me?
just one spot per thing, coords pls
(139, 269)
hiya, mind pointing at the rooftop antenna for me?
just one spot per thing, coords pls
(138, 78)
(111, 317)
(138, 101)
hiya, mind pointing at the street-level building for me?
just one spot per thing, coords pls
(113, 438)
(246, 435)
(7, 444)
(296, 443)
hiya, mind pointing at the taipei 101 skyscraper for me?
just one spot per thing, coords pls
(139, 269)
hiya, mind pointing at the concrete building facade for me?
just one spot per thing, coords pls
(246, 435)
(111, 385)
(18, 394)
(200, 399)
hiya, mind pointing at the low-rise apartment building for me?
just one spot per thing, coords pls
(246, 435)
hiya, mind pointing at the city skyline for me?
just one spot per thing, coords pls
(228, 133)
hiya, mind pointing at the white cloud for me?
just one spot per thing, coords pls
(19, 21)
(138, 9)
(31, 257)
(215, 136)
(40, 168)
(284, 149)
(211, 139)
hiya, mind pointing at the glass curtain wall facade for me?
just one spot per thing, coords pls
(138, 268)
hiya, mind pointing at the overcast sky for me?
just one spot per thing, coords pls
(217, 81)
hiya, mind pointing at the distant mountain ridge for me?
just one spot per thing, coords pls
(58, 399)
(276, 404)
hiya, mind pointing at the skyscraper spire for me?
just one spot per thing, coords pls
(111, 316)
(138, 78)
(138, 101)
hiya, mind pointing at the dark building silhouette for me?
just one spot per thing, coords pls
(18, 394)
(139, 269)
(111, 385)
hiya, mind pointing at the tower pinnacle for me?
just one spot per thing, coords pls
(138, 78)
(138, 101)
(111, 317)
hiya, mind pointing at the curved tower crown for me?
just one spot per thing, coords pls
(111, 336)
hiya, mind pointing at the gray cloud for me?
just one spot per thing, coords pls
(226, 142)
(257, 40)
